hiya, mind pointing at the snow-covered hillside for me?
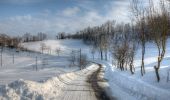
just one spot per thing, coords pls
(124, 86)
(66, 46)
(25, 62)
(145, 87)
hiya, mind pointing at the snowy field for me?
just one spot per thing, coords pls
(66, 46)
(124, 86)
(24, 66)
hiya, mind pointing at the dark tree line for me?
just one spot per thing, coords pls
(10, 42)
(7, 41)
(61, 35)
(28, 37)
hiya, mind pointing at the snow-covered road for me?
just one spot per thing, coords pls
(69, 86)
(78, 88)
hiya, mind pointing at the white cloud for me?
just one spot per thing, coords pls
(52, 25)
(20, 18)
(71, 11)
(70, 20)
(119, 11)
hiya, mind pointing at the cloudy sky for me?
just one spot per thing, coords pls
(53, 16)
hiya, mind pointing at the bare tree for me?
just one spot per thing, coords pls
(133, 48)
(120, 54)
(120, 50)
(132, 52)
(100, 45)
(139, 12)
(158, 24)
(103, 44)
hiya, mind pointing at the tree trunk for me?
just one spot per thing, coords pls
(101, 53)
(142, 65)
(126, 65)
(106, 55)
(157, 68)
(132, 69)
(123, 63)
(142, 69)
(120, 65)
(157, 73)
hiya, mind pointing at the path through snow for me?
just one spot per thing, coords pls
(70, 86)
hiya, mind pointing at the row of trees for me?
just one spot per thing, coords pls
(157, 23)
(8, 41)
(31, 38)
(61, 35)
(13, 42)
(121, 40)
(148, 24)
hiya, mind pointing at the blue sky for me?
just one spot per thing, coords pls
(52, 16)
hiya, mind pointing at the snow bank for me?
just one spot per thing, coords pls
(136, 88)
(23, 89)
(112, 90)
(31, 90)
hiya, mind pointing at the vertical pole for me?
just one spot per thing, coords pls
(168, 77)
(80, 59)
(13, 58)
(93, 56)
(36, 63)
(1, 58)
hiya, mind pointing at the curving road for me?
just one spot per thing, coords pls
(79, 87)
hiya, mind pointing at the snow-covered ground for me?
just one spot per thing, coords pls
(136, 86)
(124, 86)
(66, 46)
(63, 87)
(24, 66)
(141, 88)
